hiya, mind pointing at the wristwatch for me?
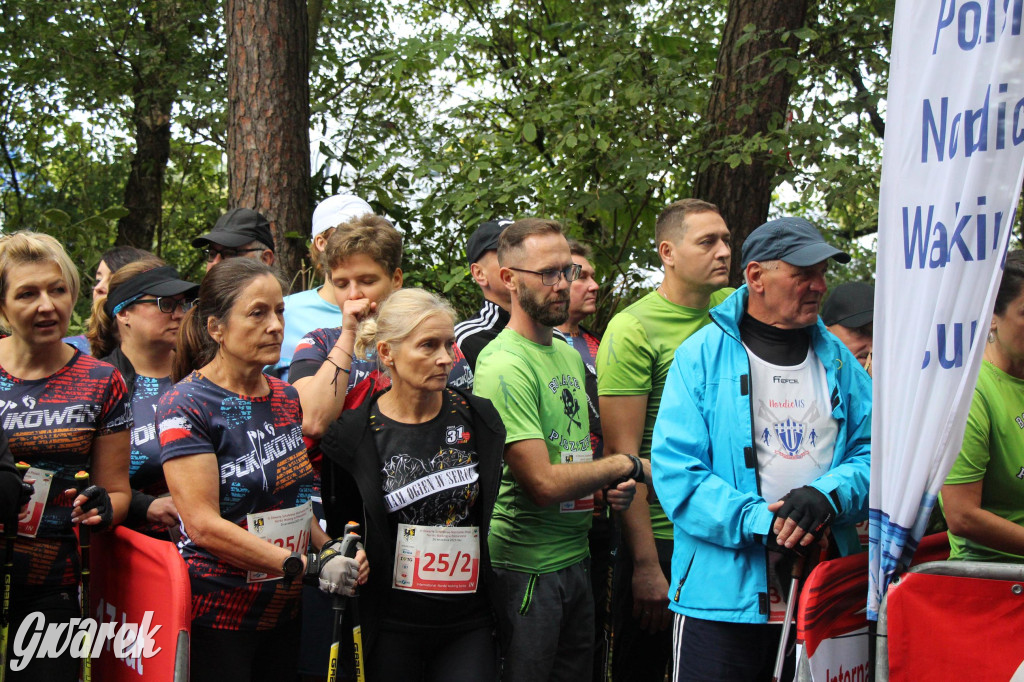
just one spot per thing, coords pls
(292, 567)
(638, 468)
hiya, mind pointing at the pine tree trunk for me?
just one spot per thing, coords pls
(744, 78)
(268, 119)
(153, 98)
(144, 190)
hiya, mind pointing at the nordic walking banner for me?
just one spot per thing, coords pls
(951, 175)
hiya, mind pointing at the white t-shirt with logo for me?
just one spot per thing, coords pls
(794, 430)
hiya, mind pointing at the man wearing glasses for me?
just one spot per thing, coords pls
(540, 579)
(239, 232)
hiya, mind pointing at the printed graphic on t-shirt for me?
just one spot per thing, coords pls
(145, 471)
(793, 423)
(429, 471)
(314, 348)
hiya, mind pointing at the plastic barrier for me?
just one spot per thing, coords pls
(953, 620)
(832, 624)
(134, 575)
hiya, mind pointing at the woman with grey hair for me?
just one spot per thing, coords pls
(426, 461)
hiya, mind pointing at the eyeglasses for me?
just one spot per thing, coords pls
(226, 252)
(167, 305)
(549, 278)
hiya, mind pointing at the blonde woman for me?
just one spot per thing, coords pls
(63, 412)
(426, 460)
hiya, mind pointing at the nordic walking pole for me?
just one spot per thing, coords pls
(794, 592)
(10, 535)
(794, 586)
(348, 549)
(82, 482)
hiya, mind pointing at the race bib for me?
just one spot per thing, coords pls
(583, 504)
(288, 528)
(37, 503)
(437, 559)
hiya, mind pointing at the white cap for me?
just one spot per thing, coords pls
(334, 211)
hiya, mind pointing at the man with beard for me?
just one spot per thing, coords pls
(538, 535)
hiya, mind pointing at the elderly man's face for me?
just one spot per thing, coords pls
(792, 294)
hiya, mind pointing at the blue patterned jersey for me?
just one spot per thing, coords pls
(263, 467)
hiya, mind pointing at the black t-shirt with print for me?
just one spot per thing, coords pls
(412, 457)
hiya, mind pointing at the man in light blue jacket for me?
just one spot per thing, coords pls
(761, 449)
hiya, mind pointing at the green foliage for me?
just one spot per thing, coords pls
(442, 115)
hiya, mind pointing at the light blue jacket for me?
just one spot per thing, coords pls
(705, 467)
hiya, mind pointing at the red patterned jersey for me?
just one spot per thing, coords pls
(52, 424)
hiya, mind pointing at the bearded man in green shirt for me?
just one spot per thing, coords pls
(538, 535)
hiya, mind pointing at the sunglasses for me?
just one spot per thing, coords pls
(167, 305)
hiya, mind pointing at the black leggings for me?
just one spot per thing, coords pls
(245, 655)
(415, 657)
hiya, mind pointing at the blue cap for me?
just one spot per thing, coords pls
(789, 239)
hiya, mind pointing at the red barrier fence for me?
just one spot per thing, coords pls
(955, 620)
(134, 575)
(832, 614)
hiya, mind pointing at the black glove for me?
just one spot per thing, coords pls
(771, 542)
(809, 508)
(99, 500)
(26, 494)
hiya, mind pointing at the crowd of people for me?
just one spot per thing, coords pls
(537, 502)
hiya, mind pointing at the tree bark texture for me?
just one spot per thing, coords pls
(268, 119)
(748, 97)
(153, 98)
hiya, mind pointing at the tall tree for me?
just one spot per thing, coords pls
(268, 118)
(746, 111)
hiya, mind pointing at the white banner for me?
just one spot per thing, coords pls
(951, 175)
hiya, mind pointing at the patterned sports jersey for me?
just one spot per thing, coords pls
(146, 473)
(263, 467)
(314, 347)
(52, 424)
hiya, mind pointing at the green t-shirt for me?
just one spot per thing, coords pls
(634, 358)
(539, 392)
(993, 452)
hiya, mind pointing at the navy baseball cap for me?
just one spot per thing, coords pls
(485, 239)
(851, 305)
(793, 240)
(161, 281)
(236, 228)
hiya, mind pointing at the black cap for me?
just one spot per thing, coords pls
(238, 227)
(485, 239)
(793, 240)
(851, 305)
(162, 281)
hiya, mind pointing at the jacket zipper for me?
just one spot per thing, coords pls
(750, 457)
